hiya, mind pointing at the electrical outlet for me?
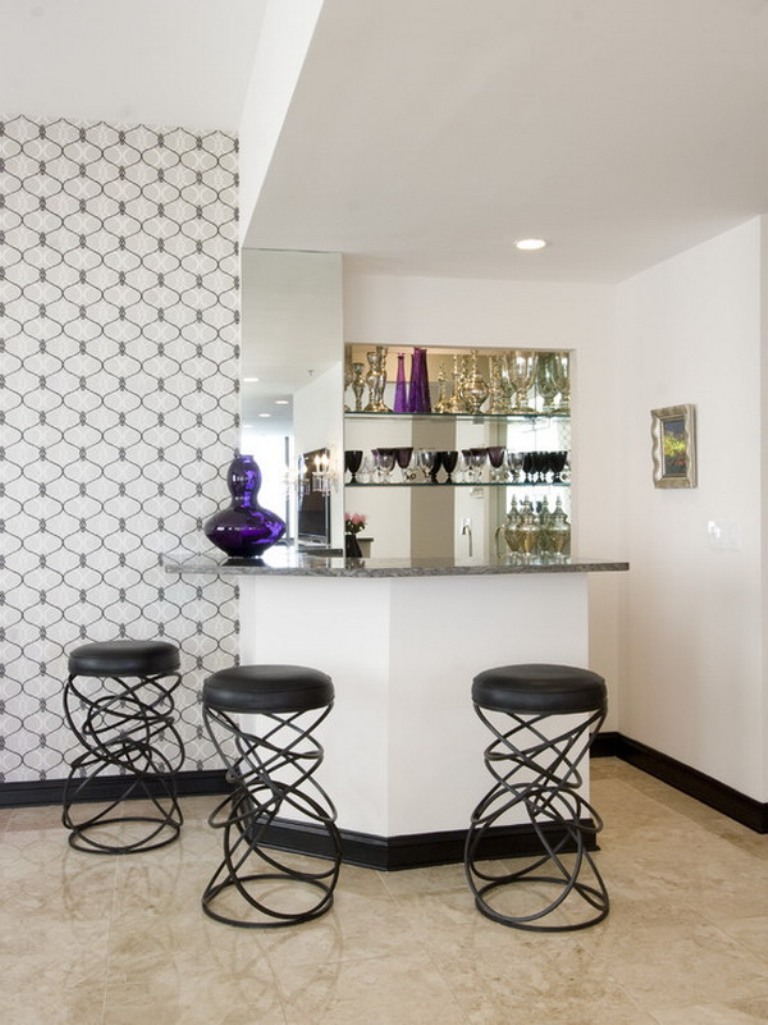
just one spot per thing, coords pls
(724, 534)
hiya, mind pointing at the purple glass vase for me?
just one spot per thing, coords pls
(418, 396)
(401, 395)
(244, 530)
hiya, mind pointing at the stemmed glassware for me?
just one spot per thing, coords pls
(529, 467)
(545, 382)
(560, 371)
(449, 461)
(477, 459)
(557, 461)
(522, 367)
(404, 457)
(384, 461)
(358, 385)
(353, 459)
(515, 465)
(497, 456)
(427, 458)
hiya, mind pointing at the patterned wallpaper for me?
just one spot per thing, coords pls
(119, 369)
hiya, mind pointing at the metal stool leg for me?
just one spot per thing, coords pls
(127, 728)
(272, 773)
(540, 774)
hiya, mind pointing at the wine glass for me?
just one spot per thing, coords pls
(557, 465)
(561, 378)
(427, 458)
(497, 455)
(541, 466)
(515, 465)
(385, 463)
(353, 459)
(403, 457)
(449, 461)
(477, 459)
(522, 367)
(545, 380)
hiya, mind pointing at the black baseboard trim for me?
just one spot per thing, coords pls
(414, 850)
(746, 810)
(418, 850)
(108, 788)
(606, 745)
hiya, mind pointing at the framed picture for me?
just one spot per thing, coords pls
(674, 447)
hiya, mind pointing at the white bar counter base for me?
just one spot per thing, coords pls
(402, 641)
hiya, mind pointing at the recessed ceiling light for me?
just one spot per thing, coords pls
(529, 244)
(265, 416)
(282, 402)
(250, 380)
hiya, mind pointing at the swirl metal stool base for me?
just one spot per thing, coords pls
(118, 701)
(539, 772)
(271, 757)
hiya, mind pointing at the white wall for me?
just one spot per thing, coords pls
(406, 311)
(689, 330)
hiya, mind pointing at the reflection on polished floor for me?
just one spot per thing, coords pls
(87, 940)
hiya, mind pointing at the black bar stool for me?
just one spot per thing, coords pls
(539, 772)
(118, 701)
(261, 719)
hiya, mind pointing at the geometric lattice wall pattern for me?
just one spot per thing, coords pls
(119, 369)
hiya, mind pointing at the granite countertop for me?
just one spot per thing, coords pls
(283, 561)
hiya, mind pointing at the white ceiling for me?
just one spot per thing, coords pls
(426, 135)
(156, 62)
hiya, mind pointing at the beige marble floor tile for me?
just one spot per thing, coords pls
(392, 990)
(752, 931)
(736, 1012)
(54, 972)
(101, 940)
(671, 966)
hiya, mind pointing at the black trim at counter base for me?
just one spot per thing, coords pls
(421, 849)
(414, 850)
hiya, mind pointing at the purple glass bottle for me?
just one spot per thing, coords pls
(401, 395)
(244, 530)
(418, 396)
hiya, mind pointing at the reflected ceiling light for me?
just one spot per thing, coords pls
(265, 416)
(250, 380)
(530, 244)
(282, 402)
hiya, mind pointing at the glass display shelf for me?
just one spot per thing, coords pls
(458, 484)
(471, 417)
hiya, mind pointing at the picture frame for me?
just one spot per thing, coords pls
(673, 430)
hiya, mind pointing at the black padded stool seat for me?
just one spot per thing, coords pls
(118, 701)
(261, 719)
(536, 772)
(268, 688)
(124, 658)
(539, 688)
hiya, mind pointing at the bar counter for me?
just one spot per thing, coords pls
(402, 640)
(285, 561)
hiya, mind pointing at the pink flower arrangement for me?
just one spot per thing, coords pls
(354, 522)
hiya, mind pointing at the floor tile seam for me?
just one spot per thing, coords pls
(734, 938)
